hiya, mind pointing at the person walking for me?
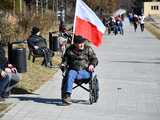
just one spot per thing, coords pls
(141, 21)
(135, 22)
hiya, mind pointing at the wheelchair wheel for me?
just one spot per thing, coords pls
(91, 97)
(94, 90)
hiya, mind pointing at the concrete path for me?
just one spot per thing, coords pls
(129, 76)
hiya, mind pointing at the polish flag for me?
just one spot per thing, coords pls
(87, 24)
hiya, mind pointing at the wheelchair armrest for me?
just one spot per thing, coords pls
(93, 75)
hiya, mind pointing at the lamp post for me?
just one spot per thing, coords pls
(62, 9)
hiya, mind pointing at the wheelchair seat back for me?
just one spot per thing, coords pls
(81, 81)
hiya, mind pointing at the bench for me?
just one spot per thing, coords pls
(34, 56)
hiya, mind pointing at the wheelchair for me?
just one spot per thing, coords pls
(93, 87)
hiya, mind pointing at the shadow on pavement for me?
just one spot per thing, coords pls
(56, 101)
(80, 101)
(39, 100)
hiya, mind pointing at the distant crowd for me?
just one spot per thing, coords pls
(114, 24)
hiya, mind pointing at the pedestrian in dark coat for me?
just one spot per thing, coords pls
(9, 76)
(39, 46)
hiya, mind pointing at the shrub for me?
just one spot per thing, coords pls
(18, 27)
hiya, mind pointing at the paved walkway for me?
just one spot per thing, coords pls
(129, 78)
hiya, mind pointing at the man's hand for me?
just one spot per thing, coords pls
(91, 68)
(8, 70)
(3, 74)
(36, 47)
(62, 67)
(14, 70)
(10, 65)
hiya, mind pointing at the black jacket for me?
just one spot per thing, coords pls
(35, 40)
(3, 59)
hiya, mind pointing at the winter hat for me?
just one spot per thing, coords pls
(79, 39)
(35, 30)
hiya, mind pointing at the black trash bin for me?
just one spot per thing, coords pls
(17, 57)
(53, 42)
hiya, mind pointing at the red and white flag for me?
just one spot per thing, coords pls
(87, 24)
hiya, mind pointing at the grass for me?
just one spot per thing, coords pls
(35, 76)
(3, 107)
(154, 30)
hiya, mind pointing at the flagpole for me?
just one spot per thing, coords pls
(87, 24)
(74, 22)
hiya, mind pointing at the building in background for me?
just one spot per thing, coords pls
(152, 8)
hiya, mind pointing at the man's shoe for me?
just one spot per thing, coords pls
(66, 99)
(6, 94)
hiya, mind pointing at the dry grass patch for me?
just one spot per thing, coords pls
(154, 30)
(3, 107)
(36, 75)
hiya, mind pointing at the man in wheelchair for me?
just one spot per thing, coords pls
(80, 60)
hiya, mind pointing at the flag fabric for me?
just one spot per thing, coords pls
(87, 24)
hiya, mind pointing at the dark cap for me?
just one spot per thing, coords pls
(79, 39)
(35, 30)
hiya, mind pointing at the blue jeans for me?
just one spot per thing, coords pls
(8, 82)
(4, 83)
(73, 75)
